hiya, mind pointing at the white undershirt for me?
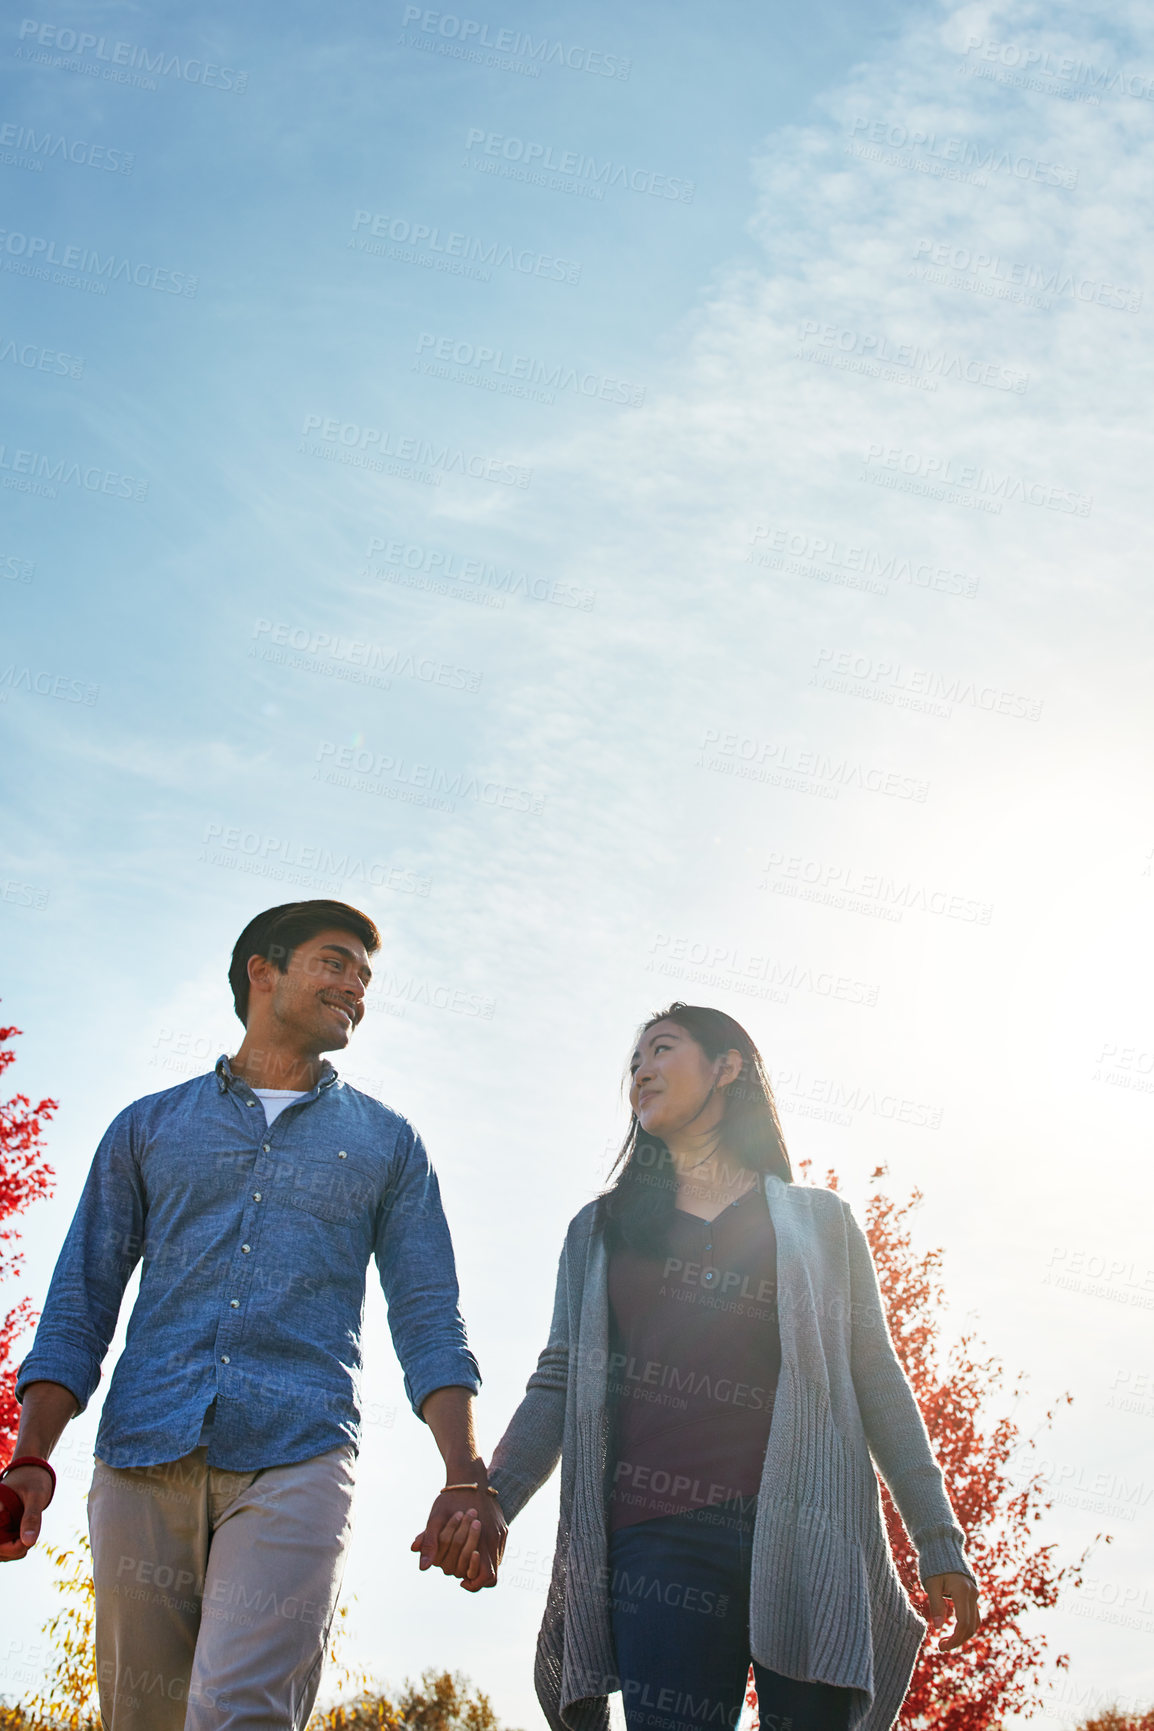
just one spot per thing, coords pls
(274, 1101)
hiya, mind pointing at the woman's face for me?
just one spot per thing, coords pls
(671, 1078)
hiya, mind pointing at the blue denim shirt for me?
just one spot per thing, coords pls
(254, 1244)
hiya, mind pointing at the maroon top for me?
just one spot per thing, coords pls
(695, 1354)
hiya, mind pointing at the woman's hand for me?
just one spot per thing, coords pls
(466, 1541)
(465, 1532)
(962, 1593)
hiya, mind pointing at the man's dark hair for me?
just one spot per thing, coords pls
(277, 932)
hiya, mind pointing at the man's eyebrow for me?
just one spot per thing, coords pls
(366, 972)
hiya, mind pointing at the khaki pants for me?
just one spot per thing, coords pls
(215, 1590)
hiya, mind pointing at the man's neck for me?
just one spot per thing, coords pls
(277, 1067)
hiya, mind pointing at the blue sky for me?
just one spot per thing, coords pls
(729, 586)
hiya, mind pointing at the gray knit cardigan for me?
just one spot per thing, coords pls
(826, 1603)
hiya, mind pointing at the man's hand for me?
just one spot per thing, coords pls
(34, 1488)
(47, 1408)
(465, 1532)
(961, 1591)
(464, 1536)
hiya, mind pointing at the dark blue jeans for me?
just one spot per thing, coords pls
(679, 1599)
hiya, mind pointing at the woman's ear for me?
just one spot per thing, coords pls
(732, 1064)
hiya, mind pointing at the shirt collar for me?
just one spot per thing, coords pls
(225, 1078)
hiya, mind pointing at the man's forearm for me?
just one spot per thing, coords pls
(448, 1412)
(47, 1408)
(465, 1532)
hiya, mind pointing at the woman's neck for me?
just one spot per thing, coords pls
(708, 1186)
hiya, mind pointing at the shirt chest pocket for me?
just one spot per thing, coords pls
(329, 1188)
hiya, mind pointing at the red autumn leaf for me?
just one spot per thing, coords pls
(25, 1177)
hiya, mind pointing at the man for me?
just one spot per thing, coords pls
(253, 1197)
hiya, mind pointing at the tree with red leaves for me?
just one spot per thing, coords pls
(25, 1177)
(1114, 1719)
(999, 1671)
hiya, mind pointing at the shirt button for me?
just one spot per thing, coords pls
(267, 1148)
(342, 1155)
(246, 1249)
(250, 1102)
(256, 1195)
(234, 1304)
(224, 1358)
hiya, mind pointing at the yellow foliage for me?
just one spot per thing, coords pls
(68, 1701)
(442, 1701)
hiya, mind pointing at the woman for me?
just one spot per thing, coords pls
(704, 1295)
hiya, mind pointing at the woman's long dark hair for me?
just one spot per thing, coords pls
(638, 1206)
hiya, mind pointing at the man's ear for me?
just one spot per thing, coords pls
(261, 974)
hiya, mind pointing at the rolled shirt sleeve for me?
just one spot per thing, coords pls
(103, 1246)
(414, 1255)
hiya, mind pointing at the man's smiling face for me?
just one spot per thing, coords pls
(320, 998)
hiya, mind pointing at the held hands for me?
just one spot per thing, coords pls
(961, 1591)
(464, 1536)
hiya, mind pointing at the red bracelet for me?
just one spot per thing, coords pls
(32, 1461)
